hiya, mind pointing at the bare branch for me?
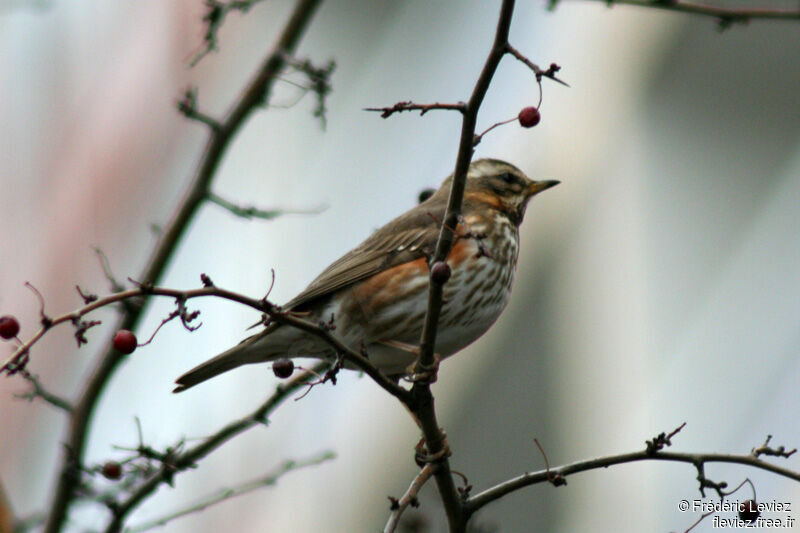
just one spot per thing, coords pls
(699, 460)
(423, 406)
(188, 108)
(188, 458)
(226, 494)
(255, 94)
(116, 286)
(726, 16)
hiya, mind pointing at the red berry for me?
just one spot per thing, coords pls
(440, 272)
(283, 368)
(112, 470)
(748, 511)
(125, 341)
(9, 327)
(529, 117)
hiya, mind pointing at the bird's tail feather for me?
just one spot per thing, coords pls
(241, 354)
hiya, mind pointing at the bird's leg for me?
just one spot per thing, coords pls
(416, 372)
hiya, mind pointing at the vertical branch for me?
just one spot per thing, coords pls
(421, 393)
(254, 95)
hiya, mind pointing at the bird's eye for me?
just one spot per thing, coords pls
(507, 177)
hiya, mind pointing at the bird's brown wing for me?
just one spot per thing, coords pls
(406, 238)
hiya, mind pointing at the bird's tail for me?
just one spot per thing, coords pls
(243, 353)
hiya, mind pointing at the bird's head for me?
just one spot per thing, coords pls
(501, 185)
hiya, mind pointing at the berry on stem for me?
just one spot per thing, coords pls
(9, 327)
(125, 341)
(112, 470)
(283, 368)
(529, 117)
(440, 272)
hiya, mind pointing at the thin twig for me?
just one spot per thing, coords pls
(226, 494)
(537, 70)
(409, 498)
(254, 95)
(39, 391)
(399, 107)
(249, 212)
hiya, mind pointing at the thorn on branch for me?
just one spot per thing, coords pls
(465, 490)
(206, 281)
(766, 449)
(399, 107)
(44, 319)
(394, 503)
(116, 286)
(145, 287)
(81, 326)
(187, 106)
(319, 83)
(662, 440)
(87, 297)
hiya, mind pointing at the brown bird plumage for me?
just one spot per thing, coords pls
(376, 294)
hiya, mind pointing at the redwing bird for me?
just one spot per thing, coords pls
(376, 295)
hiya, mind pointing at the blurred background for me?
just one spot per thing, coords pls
(659, 283)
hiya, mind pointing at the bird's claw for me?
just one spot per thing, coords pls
(419, 373)
(422, 457)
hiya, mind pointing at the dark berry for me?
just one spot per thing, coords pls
(748, 511)
(424, 194)
(529, 117)
(125, 341)
(112, 470)
(9, 327)
(283, 368)
(440, 272)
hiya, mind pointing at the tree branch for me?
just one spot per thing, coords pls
(399, 107)
(423, 405)
(409, 498)
(726, 16)
(250, 211)
(189, 458)
(698, 460)
(226, 494)
(254, 95)
(39, 391)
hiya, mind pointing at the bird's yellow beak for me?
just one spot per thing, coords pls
(538, 186)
